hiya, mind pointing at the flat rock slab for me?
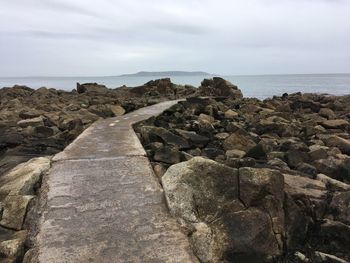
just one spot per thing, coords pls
(108, 207)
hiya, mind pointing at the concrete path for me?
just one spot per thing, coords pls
(104, 203)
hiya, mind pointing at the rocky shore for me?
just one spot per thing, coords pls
(35, 125)
(249, 180)
(257, 181)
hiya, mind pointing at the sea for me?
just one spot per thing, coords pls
(258, 86)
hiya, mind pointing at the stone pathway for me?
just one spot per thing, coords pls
(104, 204)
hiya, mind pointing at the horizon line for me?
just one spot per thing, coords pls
(210, 74)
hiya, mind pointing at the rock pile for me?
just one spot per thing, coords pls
(43, 121)
(257, 181)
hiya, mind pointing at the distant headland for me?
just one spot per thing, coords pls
(166, 74)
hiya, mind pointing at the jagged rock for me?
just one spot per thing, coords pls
(167, 154)
(219, 87)
(150, 134)
(239, 141)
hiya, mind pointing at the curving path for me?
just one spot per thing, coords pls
(104, 203)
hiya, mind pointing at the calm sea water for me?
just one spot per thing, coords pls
(261, 86)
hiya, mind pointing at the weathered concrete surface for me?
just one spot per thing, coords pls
(104, 203)
(111, 137)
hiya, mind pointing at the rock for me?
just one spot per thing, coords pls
(159, 170)
(43, 131)
(235, 154)
(15, 208)
(335, 124)
(333, 184)
(199, 190)
(212, 153)
(341, 206)
(29, 114)
(238, 141)
(193, 138)
(256, 183)
(307, 169)
(341, 143)
(296, 223)
(302, 187)
(249, 239)
(22, 179)
(91, 88)
(117, 110)
(334, 167)
(327, 113)
(296, 157)
(334, 237)
(219, 87)
(230, 114)
(278, 163)
(205, 118)
(327, 258)
(184, 185)
(151, 134)
(34, 122)
(13, 247)
(258, 152)
(167, 154)
(222, 135)
(318, 152)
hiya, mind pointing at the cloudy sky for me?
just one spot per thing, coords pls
(110, 37)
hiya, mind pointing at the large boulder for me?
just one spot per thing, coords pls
(236, 215)
(91, 88)
(220, 88)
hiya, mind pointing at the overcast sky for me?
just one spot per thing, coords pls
(110, 37)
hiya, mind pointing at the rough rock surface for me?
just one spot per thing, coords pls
(18, 189)
(302, 137)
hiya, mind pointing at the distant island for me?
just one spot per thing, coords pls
(166, 74)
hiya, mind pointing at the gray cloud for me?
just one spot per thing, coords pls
(87, 37)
